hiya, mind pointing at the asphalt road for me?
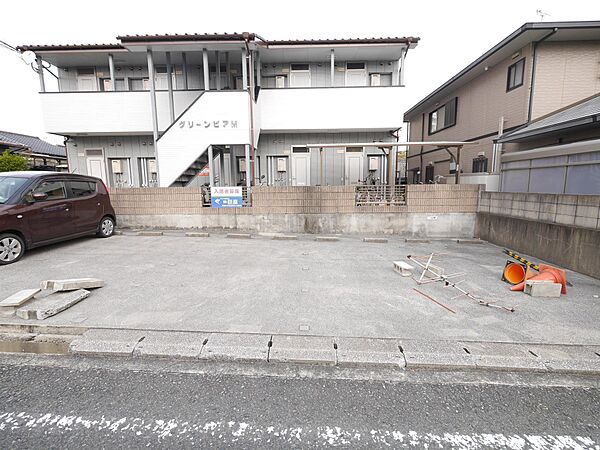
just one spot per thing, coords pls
(93, 407)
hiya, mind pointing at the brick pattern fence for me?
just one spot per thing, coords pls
(438, 198)
(574, 210)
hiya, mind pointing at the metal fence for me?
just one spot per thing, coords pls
(207, 200)
(380, 195)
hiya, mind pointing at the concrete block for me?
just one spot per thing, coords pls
(170, 344)
(376, 240)
(302, 349)
(371, 352)
(49, 306)
(238, 347)
(586, 222)
(196, 234)
(327, 239)
(239, 236)
(403, 268)
(72, 284)
(285, 237)
(150, 233)
(542, 288)
(494, 355)
(99, 342)
(568, 358)
(420, 354)
(19, 298)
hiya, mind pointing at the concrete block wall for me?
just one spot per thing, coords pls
(442, 198)
(438, 198)
(582, 211)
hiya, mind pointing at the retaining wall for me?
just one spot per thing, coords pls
(430, 211)
(561, 229)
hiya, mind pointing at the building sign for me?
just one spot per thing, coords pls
(186, 124)
(226, 197)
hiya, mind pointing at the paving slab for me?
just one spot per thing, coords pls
(72, 284)
(493, 355)
(19, 298)
(107, 342)
(445, 354)
(48, 306)
(169, 344)
(150, 233)
(238, 347)
(376, 240)
(327, 239)
(371, 352)
(239, 236)
(569, 358)
(285, 237)
(197, 234)
(302, 349)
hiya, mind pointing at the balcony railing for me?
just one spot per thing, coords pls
(380, 195)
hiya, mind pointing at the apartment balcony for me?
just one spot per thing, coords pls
(330, 109)
(77, 113)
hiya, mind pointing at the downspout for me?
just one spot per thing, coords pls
(251, 105)
(421, 151)
(533, 64)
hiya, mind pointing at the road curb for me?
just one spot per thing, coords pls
(368, 353)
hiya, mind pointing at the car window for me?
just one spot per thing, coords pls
(54, 189)
(10, 185)
(81, 188)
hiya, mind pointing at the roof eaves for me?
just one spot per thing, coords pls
(524, 28)
(186, 37)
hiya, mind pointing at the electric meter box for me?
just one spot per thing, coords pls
(242, 164)
(152, 166)
(281, 164)
(373, 162)
(117, 166)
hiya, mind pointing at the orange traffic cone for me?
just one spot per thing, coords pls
(547, 273)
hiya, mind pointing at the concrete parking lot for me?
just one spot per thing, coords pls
(261, 285)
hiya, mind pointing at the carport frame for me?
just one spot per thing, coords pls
(391, 179)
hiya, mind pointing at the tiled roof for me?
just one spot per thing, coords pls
(187, 37)
(35, 144)
(372, 40)
(567, 117)
(51, 47)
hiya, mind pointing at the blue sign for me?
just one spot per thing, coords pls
(226, 197)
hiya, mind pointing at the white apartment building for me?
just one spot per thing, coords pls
(182, 110)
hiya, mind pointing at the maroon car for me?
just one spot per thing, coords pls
(39, 208)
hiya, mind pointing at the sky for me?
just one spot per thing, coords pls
(453, 34)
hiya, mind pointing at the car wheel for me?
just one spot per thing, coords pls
(106, 227)
(12, 248)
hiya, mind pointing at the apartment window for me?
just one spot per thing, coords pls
(515, 75)
(443, 117)
(299, 75)
(480, 164)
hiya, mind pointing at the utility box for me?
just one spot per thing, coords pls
(152, 166)
(117, 166)
(242, 164)
(281, 164)
(373, 162)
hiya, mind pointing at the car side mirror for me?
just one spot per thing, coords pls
(39, 196)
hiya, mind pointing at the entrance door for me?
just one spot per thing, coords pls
(299, 75)
(95, 166)
(354, 165)
(356, 74)
(86, 83)
(300, 167)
